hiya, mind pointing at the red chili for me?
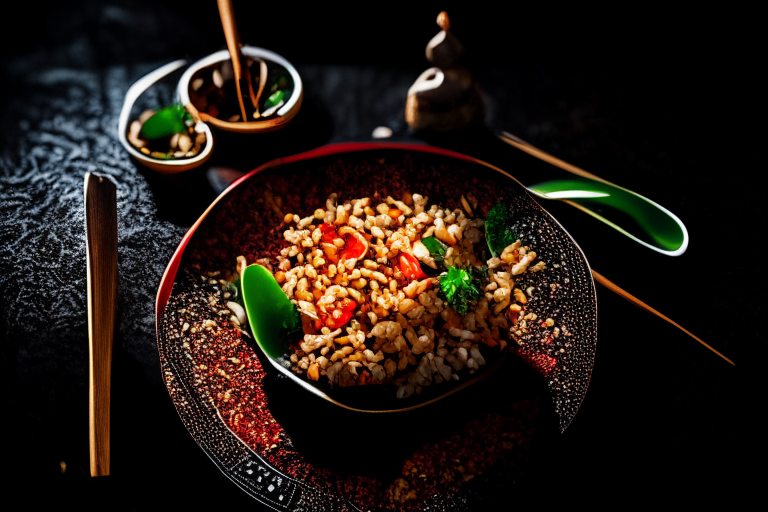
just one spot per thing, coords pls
(410, 266)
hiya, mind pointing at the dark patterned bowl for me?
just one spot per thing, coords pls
(293, 451)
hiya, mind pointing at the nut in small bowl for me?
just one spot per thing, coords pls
(168, 134)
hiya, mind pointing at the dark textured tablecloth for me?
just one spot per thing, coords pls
(664, 105)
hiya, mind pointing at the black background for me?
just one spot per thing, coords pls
(666, 103)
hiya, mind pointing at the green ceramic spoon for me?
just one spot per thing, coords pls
(272, 317)
(645, 222)
(274, 321)
(656, 227)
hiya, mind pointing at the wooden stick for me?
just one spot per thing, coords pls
(637, 302)
(101, 247)
(546, 157)
(227, 14)
(251, 94)
(541, 155)
(262, 82)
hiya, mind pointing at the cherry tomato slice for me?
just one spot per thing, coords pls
(354, 248)
(335, 323)
(329, 233)
(347, 307)
(410, 266)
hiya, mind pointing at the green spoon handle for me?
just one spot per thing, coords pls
(654, 226)
(639, 218)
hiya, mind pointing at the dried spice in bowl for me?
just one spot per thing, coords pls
(170, 133)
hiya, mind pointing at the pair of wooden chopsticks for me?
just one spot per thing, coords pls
(101, 247)
(232, 36)
(546, 157)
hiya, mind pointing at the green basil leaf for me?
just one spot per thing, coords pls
(435, 247)
(462, 288)
(274, 99)
(498, 229)
(165, 123)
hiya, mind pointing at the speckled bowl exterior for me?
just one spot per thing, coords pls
(292, 451)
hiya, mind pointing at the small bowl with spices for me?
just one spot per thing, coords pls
(271, 91)
(168, 140)
(178, 137)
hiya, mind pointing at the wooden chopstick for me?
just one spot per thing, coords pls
(637, 302)
(546, 157)
(101, 247)
(232, 36)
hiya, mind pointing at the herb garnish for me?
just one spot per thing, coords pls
(274, 99)
(166, 122)
(498, 231)
(435, 247)
(462, 287)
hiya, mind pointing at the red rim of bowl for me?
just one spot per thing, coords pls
(166, 282)
(169, 276)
